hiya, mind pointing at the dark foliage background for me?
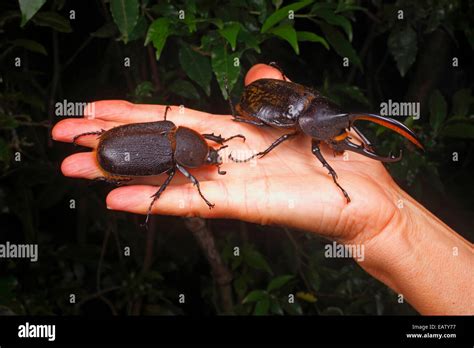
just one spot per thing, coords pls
(79, 56)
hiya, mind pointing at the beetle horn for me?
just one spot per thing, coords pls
(390, 123)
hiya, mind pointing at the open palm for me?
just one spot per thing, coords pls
(288, 186)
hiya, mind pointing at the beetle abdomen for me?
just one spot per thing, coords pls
(138, 149)
(275, 102)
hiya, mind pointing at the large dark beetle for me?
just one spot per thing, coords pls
(284, 104)
(153, 148)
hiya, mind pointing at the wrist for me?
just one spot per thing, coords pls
(422, 259)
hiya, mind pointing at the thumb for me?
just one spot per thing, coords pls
(262, 71)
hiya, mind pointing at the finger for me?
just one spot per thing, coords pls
(261, 71)
(177, 200)
(234, 199)
(66, 130)
(84, 165)
(81, 165)
(126, 112)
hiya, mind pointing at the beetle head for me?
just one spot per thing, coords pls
(213, 157)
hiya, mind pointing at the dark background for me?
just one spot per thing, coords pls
(81, 59)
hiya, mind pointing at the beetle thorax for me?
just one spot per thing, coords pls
(191, 149)
(322, 120)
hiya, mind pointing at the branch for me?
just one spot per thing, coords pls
(220, 271)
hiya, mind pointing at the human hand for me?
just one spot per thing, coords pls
(286, 187)
(405, 248)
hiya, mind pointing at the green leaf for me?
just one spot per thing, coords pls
(53, 20)
(7, 286)
(282, 13)
(352, 92)
(340, 44)
(344, 7)
(262, 306)
(226, 66)
(462, 130)
(196, 66)
(461, 102)
(259, 6)
(402, 44)
(249, 39)
(277, 3)
(275, 307)
(4, 151)
(216, 21)
(140, 29)
(144, 89)
(438, 110)
(278, 282)
(236, 262)
(106, 31)
(210, 40)
(230, 32)
(29, 8)
(309, 36)
(30, 45)
(190, 21)
(240, 285)
(158, 32)
(125, 14)
(334, 19)
(314, 279)
(185, 89)
(254, 259)
(254, 296)
(8, 16)
(292, 308)
(288, 33)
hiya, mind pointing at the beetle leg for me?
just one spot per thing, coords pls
(86, 133)
(276, 66)
(195, 182)
(157, 194)
(220, 172)
(348, 145)
(244, 120)
(219, 139)
(365, 141)
(166, 111)
(270, 148)
(317, 152)
(231, 105)
(232, 109)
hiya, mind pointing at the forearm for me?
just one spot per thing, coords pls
(421, 258)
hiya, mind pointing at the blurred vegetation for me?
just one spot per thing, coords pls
(180, 52)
